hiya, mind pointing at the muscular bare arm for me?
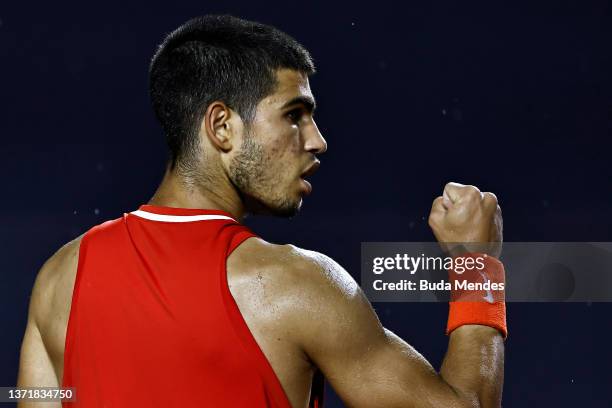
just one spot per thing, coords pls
(41, 359)
(368, 365)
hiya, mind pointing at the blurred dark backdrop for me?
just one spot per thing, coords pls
(516, 99)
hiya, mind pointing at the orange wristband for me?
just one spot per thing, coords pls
(477, 294)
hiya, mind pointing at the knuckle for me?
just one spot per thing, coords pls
(490, 196)
(472, 189)
(453, 184)
(437, 205)
(472, 193)
(430, 221)
(489, 200)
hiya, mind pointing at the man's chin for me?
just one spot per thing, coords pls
(285, 209)
(291, 211)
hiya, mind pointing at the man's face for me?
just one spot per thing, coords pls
(279, 149)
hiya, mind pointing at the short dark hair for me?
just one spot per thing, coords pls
(216, 57)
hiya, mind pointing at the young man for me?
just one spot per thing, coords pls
(178, 304)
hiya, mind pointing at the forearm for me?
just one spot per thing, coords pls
(474, 365)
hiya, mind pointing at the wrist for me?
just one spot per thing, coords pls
(478, 293)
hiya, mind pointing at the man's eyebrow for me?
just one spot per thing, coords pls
(308, 102)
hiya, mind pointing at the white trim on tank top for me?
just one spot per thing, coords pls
(179, 218)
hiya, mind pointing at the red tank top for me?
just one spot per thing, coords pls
(153, 323)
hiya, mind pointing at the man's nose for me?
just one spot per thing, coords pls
(315, 142)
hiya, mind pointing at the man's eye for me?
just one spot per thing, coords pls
(295, 115)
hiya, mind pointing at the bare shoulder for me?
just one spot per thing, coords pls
(52, 294)
(58, 268)
(304, 292)
(285, 295)
(295, 269)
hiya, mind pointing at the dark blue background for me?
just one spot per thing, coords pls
(516, 99)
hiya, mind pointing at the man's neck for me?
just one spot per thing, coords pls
(176, 191)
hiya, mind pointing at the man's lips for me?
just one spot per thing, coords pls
(311, 169)
(309, 172)
(306, 186)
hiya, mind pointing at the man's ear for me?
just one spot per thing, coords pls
(216, 125)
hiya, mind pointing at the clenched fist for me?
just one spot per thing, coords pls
(466, 216)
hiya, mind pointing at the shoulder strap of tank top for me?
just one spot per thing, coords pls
(239, 234)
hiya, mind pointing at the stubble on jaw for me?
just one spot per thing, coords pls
(247, 173)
